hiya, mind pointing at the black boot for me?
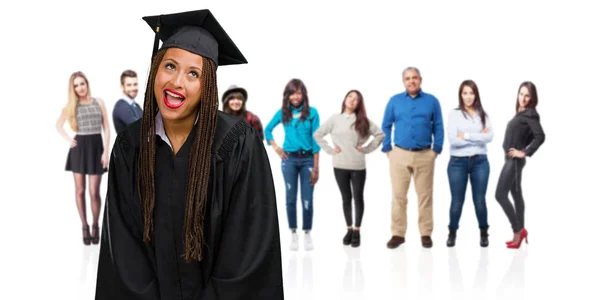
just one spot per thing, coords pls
(356, 238)
(451, 238)
(348, 237)
(484, 237)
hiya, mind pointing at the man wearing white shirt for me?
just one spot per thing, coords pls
(126, 110)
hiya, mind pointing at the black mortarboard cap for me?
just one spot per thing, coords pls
(198, 32)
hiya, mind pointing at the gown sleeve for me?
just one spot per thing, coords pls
(126, 264)
(248, 261)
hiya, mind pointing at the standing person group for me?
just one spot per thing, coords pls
(89, 150)
(418, 139)
(412, 134)
(191, 211)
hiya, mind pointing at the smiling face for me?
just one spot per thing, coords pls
(177, 85)
(524, 97)
(130, 87)
(80, 86)
(412, 81)
(296, 98)
(235, 104)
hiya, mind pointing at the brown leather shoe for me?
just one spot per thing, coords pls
(395, 241)
(426, 241)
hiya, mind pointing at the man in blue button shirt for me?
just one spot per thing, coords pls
(418, 139)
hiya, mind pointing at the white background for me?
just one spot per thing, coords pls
(333, 48)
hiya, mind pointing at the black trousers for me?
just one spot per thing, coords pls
(510, 181)
(352, 183)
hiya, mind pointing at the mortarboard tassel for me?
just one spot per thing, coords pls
(156, 39)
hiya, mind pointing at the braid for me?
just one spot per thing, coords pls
(200, 162)
(148, 149)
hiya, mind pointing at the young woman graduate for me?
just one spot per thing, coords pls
(190, 210)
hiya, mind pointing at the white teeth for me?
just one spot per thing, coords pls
(173, 95)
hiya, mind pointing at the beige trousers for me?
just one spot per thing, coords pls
(404, 164)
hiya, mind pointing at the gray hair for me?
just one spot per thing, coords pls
(411, 69)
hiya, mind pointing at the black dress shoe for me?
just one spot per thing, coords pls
(355, 238)
(451, 238)
(348, 237)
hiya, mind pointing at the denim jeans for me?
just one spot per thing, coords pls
(460, 170)
(298, 166)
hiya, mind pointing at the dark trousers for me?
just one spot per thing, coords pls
(510, 181)
(475, 168)
(352, 183)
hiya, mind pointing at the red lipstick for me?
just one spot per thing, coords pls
(173, 99)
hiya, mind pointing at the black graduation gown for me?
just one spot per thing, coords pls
(242, 256)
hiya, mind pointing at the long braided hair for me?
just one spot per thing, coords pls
(199, 162)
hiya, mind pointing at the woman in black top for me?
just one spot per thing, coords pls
(523, 137)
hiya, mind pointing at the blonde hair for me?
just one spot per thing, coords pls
(74, 99)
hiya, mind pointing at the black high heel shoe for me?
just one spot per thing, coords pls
(86, 235)
(95, 235)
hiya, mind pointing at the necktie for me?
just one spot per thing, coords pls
(136, 110)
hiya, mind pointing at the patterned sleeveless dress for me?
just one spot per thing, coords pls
(86, 157)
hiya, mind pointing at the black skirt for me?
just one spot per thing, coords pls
(86, 157)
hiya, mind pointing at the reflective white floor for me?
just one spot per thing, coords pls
(369, 272)
(429, 275)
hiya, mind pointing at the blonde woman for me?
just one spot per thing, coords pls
(88, 154)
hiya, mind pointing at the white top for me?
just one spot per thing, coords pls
(475, 142)
(128, 99)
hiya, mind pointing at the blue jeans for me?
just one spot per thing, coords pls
(460, 170)
(298, 165)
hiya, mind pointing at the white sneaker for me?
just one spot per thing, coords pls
(294, 245)
(308, 243)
